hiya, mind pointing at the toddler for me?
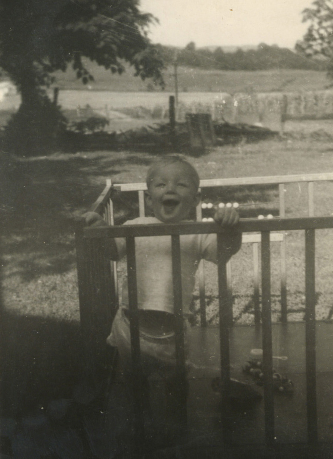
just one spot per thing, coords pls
(172, 195)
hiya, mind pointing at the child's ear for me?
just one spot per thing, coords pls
(197, 198)
(148, 199)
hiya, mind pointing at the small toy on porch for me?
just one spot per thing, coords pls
(241, 394)
(282, 384)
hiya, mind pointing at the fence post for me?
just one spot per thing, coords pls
(284, 109)
(172, 117)
(55, 96)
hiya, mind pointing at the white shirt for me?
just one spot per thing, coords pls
(154, 266)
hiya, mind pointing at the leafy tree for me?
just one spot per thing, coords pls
(318, 40)
(38, 37)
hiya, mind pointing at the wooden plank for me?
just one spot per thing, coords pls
(108, 212)
(256, 294)
(310, 335)
(246, 225)
(82, 272)
(180, 337)
(113, 263)
(229, 289)
(100, 203)
(282, 203)
(110, 219)
(248, 238)
(201, 274)
(265, 180)
(283, 263)
(109, 301)
(267, 339)
(202, 293)
(224, 323)
(135, 338)
(90, 329)
(283, 281)
(141, 196)
(311, 199)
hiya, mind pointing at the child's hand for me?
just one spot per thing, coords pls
(94, 219)
(226, 216)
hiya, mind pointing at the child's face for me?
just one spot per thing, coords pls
(172, 193)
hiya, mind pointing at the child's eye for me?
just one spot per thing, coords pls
(160, 185)
(182, 184)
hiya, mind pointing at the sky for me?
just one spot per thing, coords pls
(227, 22)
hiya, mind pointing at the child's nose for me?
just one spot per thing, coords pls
(170, 188)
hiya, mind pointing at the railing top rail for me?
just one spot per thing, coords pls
(272, 179)
(246, 225)
(103, 198)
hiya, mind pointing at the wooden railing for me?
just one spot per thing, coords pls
(104, 206)
(90, 239)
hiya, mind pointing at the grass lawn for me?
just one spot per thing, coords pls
(43, 194)
(200, 80)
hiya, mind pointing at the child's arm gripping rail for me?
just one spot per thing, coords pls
(228, 217)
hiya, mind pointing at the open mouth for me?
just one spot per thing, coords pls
(170, 204)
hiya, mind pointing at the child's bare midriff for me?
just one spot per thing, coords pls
(155, 323)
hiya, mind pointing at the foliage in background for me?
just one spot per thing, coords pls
(91, 125)
(318, 40)
(38, 38)
(264, 57)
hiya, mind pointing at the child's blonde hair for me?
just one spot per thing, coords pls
(172, 159)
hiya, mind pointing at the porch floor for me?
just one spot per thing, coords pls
(105, 430)
(247, 426)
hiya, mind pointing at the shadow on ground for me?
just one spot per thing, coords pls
(41, 196)
(40, 362)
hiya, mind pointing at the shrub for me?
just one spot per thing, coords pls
(89, 126)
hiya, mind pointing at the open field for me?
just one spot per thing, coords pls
(198, 80)
(43, 194)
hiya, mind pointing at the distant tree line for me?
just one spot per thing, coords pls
(265, 57)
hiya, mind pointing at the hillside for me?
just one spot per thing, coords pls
(192, 79)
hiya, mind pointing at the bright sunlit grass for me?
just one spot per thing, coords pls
(39, 274)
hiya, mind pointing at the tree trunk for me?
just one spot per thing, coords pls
(34, 129)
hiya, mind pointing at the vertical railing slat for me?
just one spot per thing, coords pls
(178, 303)
(141, 195)
(311, 199)
(201, 276)
(180, 336)
(256, 295)
(267, 337)
(135, 337)
(283, 269)
(224, 323)
(113, 263)
(310, 335)
(83, 263)
(229, 288)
